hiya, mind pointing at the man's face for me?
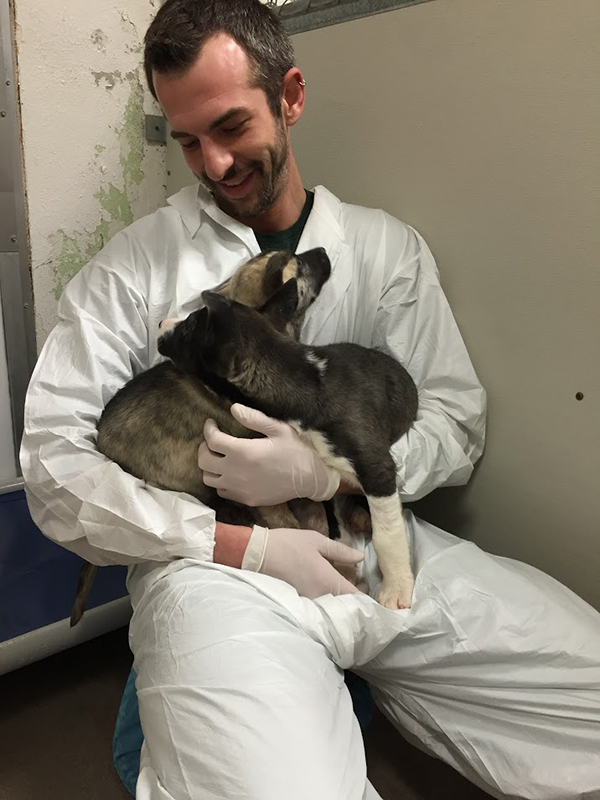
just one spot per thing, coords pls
(226, 130)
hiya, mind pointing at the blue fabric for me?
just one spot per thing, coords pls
(38, 577)
(128, 737)
(364, 706)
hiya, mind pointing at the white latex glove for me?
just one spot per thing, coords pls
(302, 559)
(265, 471)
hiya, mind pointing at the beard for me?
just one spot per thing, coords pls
(270, 180)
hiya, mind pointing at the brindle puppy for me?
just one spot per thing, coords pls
(152, 427)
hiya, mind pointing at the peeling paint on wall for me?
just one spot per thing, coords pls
(132, 136)
(89, 170)
(99, 39)
(109, 77)
(75, 249)
(68, 262)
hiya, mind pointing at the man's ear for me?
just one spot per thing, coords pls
(292, 96)
(281, 308)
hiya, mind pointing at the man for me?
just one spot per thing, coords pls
(240, 678)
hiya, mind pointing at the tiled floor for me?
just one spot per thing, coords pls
(57, 719)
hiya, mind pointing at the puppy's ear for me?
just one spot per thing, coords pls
(215, 302)
(281, 308)
(273, 276)
(219, 309)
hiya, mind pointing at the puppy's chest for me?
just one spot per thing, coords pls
(324, 448)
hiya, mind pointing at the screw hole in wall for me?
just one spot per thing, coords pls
(579, 396)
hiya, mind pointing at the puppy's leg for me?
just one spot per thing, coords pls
(343, 506)
(389, 534)
(354, 515)
(391, 546)
(279, 516)
(310, 515)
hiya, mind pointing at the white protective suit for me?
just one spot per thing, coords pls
(495, 668)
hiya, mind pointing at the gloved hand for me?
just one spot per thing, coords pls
(265, 471)
(302, 559)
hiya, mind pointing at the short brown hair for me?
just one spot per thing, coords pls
(181, 27)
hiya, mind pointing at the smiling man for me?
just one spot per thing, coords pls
(233, 125)
(240, 674)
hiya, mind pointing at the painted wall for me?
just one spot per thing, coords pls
(88, 168)
(478, 124)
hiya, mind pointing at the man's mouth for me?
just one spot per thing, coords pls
(237, 187)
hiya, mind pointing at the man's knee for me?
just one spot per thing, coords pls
(235, 694)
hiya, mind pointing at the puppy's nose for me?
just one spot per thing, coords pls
(167, 325)
(318, 255)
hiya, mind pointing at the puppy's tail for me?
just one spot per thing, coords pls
(84, 587)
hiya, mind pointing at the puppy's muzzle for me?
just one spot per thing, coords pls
(167, 325)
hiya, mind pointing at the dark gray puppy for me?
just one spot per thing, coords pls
(349, 402)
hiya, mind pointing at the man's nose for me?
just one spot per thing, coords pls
(217, 160)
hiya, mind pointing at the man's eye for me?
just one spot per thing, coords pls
(235, 128)
(189, 145)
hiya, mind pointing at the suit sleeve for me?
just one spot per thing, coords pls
(414, 324)
(77, 496)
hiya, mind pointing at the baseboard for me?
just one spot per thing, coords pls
(51, 639)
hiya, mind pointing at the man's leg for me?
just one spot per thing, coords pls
(236, 700)
(497, 672)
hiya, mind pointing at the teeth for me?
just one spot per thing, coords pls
(236, 182)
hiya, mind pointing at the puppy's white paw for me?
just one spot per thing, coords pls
(396, 594)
